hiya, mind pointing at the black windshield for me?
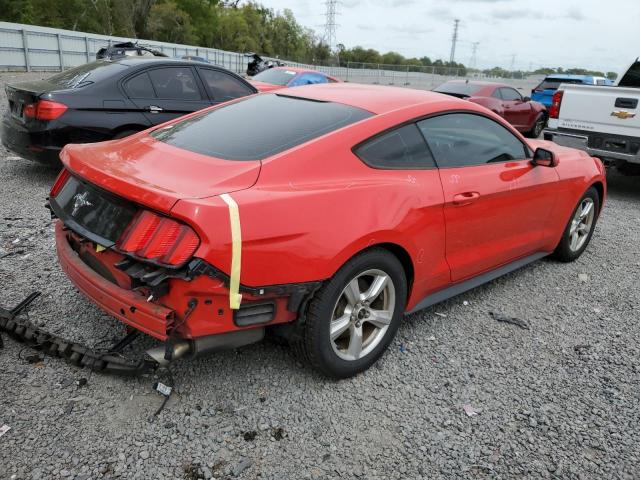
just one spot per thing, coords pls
(458, 89)
(258, 127)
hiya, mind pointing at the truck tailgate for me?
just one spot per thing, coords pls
(600, 109)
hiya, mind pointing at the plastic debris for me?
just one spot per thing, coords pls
(469, 410)
(465, 303)
(583, 277)
(440, 314)
(518, 322)
(162, 389)
(403, 349)
(4, 429)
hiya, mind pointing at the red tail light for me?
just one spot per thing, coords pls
(44, 110)
(554, 109)
(63, 176)
(159, 239)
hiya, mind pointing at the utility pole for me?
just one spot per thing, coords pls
(454, 40)
(513, 61)
(474, 54)
(330, 25)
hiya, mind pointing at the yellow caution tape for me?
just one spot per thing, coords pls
(100, 248)
(236, 251)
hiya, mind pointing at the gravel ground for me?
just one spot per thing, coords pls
(559, 400)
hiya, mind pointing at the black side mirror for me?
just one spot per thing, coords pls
(526, 99)
(544, 158)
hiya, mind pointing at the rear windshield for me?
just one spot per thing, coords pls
(84, 74)
(258, 127)
(458, 88)
(554, 83)
(275, 77)
(632, 77)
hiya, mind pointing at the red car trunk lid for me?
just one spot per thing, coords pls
(156, 174)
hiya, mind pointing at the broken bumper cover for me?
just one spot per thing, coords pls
(128, 306)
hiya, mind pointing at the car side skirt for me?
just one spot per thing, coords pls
(474, 282)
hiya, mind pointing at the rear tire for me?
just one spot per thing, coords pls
(579, 229)
(538, 126)
(354, 317)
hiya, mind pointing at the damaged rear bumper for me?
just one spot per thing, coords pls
(128, 306)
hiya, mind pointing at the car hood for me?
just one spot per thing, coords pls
(156, 174)
(265, 87)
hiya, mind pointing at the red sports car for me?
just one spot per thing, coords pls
(287, 77)
(348, 207)
(524, 114)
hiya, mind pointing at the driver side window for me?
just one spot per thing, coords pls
(465, 139)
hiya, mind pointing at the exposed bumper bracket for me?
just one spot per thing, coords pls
(74, 353)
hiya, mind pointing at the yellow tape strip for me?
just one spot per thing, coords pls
(236, 251)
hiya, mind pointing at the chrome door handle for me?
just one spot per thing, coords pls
(155, 109)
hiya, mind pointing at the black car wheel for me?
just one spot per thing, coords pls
(354, 317)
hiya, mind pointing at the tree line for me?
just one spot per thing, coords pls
(227, 25)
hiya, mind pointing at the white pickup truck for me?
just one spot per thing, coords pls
(603, 121)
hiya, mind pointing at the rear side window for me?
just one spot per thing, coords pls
(510, 94)
(402, 148)
(139, 86)
(632, 77)
(463, 139)
(176, 83)
(259, 126)
(222, 86)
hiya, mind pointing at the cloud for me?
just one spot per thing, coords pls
(440, 13)
(410, 29)
(574, 13)
(514, 14)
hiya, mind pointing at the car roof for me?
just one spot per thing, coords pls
(135, 61)
(298, 70)
(480, 83)
(377, 99)
(569, 76)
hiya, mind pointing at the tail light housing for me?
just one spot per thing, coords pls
(554, 109)
(63, 176)
(158, 239)
(44, 110)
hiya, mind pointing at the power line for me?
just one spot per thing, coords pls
(474, 54)
(330, 25)
(454, 40)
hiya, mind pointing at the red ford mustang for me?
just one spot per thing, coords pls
(524, 114)
(323, 213)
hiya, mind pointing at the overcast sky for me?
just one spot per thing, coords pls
(597, 34)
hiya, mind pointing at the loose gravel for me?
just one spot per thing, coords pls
(459, 394)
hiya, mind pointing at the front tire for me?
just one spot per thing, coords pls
(579, 230)
(354, 317)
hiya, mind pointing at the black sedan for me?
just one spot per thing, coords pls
(105, 100)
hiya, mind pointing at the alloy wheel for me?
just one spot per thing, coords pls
(362, 314)
(581, 224)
